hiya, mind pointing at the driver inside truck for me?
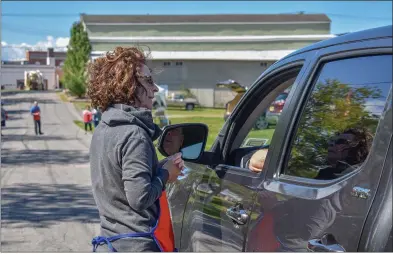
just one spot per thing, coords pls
(346, 151)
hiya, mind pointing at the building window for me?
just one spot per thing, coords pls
(179, 63)
(167, 63)
(263, 64)
(38, 63)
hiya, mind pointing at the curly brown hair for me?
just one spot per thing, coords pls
(113, 78)
(359, 153)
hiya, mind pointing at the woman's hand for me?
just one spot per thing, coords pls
(176, 157)
(174, 165)
(162, 162)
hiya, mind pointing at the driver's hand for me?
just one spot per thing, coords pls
(257, 160)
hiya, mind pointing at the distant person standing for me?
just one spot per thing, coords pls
(87, 118)
(96, 116)
(36, 112)
(4, 117)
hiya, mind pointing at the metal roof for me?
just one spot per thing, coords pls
(243, 38)
(268, 55)
(212, 18)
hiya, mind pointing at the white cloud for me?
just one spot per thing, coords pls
(62, 41)
(17, 52)
(375, 106)
(13, 53)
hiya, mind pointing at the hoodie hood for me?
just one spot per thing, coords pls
(120, 114)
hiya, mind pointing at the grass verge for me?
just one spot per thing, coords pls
(213, 118)
(63, 97)
(80, 106)
(81, 125)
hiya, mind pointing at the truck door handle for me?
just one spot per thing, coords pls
(326, 243)
(237, 214)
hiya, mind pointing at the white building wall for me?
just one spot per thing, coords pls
(201, 76)
(11, 73)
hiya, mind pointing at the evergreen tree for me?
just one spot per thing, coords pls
(78, 54)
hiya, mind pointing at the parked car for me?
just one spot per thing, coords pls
(272, 113)
(275, 109)
(180, 100)
(326, 183)
(160, 106)
(235, 87)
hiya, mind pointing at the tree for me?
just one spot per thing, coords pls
(332, 108)
(78, 54)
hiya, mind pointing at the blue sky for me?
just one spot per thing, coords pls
(54, 19)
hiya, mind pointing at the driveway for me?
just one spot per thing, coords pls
(46, 201)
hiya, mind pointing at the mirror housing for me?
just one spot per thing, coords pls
(187, 138)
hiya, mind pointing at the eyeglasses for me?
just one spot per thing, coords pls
(343, 142)
(147, 79)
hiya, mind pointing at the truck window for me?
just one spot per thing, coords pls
(338, 124)
(264, 126)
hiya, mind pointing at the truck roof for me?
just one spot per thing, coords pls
(379, 32)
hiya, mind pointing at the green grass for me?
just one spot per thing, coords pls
(63, 97)
(214, 124)
(81, 125)
(80, 106)
(207, 112)
(263, 134)
(213, 118)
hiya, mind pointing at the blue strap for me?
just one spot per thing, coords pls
(101, 240)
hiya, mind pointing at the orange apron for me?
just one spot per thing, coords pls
(36, 116)
(162, 232)
(264, 230)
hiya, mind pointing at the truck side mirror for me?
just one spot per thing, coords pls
(188, 138)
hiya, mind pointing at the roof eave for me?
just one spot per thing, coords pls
(183, 39)
(103, 23)
(268, 55)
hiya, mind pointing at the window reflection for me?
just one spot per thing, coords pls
(341, 116)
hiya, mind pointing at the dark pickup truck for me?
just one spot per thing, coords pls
(326, 181)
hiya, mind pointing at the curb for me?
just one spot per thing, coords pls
(71, 108)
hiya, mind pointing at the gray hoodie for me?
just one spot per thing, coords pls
(125, 177)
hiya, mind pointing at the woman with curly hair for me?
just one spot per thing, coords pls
(127, 179)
